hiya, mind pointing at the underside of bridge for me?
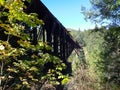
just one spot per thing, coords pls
(52, 32)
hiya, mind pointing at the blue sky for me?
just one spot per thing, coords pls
(68, 12)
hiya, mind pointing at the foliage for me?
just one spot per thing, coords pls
(111, 56)
(24, 66)
(94, 46)
(102, 54)
(101, 47)
(106, 12)
(82, 78)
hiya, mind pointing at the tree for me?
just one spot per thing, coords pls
(22, 64)
(111, 57)
(106, 12)
(83, 65)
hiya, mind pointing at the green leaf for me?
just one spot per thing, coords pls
(2, 2)
(33, 68)
(65, 80)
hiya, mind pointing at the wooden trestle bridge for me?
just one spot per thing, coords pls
(53, 32)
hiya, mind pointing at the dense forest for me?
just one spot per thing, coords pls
(95, 66)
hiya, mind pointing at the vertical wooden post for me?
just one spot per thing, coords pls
(55, 37)
(64, 44)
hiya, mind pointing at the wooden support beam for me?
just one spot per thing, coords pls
(55, 40)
